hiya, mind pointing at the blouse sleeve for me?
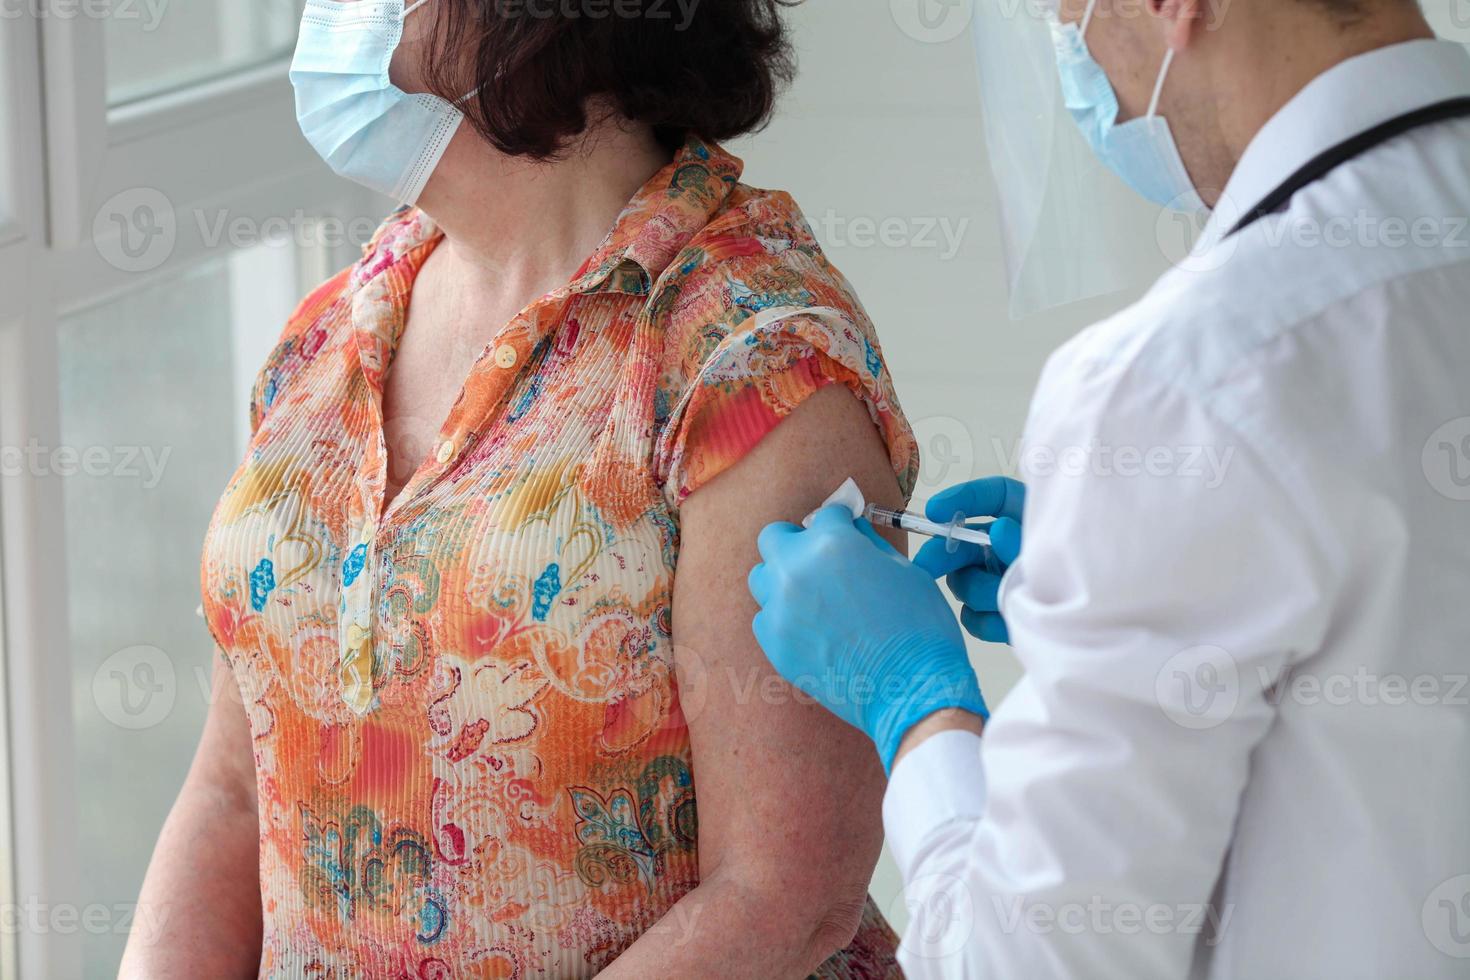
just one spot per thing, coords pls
(726, 387)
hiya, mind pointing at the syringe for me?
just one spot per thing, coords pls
(953, 533)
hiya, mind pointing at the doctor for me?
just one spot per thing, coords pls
(1241, 747)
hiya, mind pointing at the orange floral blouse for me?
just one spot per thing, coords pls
(470, 753)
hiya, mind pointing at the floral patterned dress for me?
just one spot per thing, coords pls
(470, 752)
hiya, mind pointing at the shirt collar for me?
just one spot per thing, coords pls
(663, 217)
(1344, 101)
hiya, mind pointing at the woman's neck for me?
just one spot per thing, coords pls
(511, 223)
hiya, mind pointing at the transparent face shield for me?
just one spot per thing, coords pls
(1072, 229)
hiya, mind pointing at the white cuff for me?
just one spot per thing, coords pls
(937, 783)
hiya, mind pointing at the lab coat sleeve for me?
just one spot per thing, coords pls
(1169, 575)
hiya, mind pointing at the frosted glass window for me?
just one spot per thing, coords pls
(5, 129)
(157, 47)
(154, 389)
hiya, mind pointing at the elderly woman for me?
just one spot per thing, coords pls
(488, 703)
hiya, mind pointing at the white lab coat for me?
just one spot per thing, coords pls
(1241, 747)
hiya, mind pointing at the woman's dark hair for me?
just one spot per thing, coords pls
(711, 68)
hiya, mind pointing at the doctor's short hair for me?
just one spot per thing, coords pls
(711, 68)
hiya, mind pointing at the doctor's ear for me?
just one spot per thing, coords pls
(1187, 19)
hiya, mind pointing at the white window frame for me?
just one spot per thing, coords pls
(226, 146)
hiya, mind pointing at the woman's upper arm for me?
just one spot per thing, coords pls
(225, 759)
(787, 792)
(199, 911)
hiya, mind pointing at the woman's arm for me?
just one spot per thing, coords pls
(789, 797)
(202, 890)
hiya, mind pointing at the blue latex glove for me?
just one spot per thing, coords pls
(973, 572)
(848, 620)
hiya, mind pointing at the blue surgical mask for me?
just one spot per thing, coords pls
(365, 127)
(1141, 151)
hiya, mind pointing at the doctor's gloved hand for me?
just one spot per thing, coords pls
(973, 572)
(848, 620)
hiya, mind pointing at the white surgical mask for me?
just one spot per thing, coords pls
(1141, 151)
(365, 127)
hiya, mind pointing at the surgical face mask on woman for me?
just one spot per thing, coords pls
(365, 127)
(1141, 151)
